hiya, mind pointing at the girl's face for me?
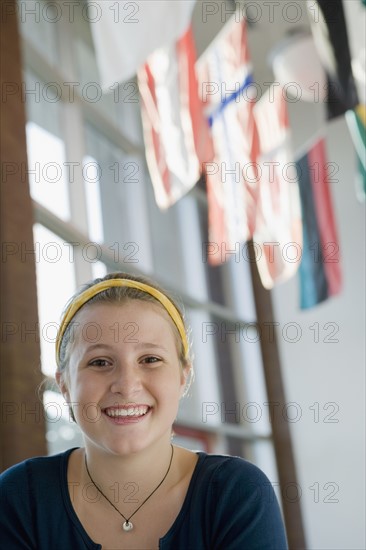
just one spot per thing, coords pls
(124, 380)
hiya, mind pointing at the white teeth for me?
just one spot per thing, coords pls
(131, 411)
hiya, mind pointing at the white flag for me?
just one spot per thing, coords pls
(125, 33)
(176, 133)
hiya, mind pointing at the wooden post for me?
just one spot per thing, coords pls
(22, 427)
(276, 395)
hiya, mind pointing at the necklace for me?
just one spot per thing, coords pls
(128, 525)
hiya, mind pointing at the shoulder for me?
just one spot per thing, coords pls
(224, 469)
(232, 474)
(37, 463)
(31, 497)
(243, 506)
(32, 472)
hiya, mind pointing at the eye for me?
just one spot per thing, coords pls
(99, 363)
(151, 359)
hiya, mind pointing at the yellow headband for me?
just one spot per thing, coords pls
(89, 293)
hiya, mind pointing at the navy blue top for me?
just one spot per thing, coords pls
(230, 505)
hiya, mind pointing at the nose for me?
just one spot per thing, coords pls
(126, 380)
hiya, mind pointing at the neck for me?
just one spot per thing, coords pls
(143, 468)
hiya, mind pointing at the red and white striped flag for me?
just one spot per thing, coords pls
(278, 233)
(225, 75)
(176, 133)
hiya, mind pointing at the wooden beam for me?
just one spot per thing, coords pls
(280, 426)
(22, 427)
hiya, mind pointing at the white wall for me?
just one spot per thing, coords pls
(331, 373)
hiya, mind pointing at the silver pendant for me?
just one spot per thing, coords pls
(127, 526)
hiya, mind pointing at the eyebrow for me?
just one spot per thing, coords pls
(144, 345)
(140, 345)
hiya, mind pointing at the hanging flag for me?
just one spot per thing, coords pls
(320, 271)
(277, 237)
(355, 15)
(225, 75)
(296, 65)
(357, 125)
(176, 133)
(331, 39)
(125, 33)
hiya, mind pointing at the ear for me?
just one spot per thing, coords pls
(60, 379)
(186, 373)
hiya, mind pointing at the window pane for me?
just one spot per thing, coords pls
(194, 280)
(43, 103)
(38, 23)
(238, 286)
(263, 455)
(91, 173)
(124, 208)
(46, 170)
(55, 286)
(166, 242)
(88, 77)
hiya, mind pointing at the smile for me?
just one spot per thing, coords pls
(127, 412)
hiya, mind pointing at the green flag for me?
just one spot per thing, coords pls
(356, 120)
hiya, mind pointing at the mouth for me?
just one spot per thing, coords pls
(126, 414)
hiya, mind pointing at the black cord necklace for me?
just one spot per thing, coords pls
(128, 525)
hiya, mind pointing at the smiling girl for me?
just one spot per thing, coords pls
(123, 365)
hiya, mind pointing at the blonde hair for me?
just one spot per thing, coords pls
(119, 295)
